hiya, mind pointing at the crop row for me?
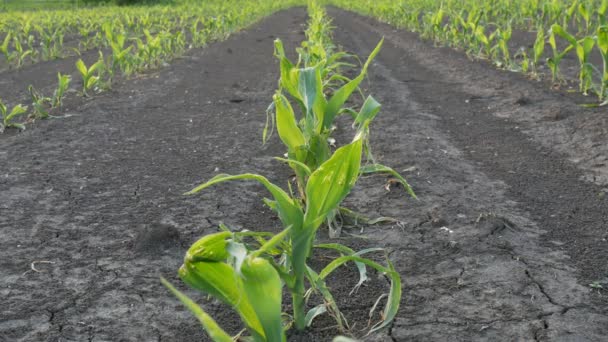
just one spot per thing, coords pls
(129, 40)
(249, 270)
(484, 29)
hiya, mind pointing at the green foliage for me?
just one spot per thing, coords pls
(248, 272)
(9, 116)
(90, 75)
(40, 103)
(63, 83)
(484, 28)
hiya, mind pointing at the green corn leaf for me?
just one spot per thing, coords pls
(17, 110)
(3, 109)
(287, 127)
(557, 29)
(394, 297)
(216, 333)
(4, 46)
(91, 82)
(209, 248)
(319, 285)
(368, 112)
(294, 163)
(269, 245)
(379, 168)
(539, 44)
(331, 182)
(221, 281)
(289, 210)
(584, 47)
(97, 66)
(602, 40)
(82, 68)
(341, 95)
(263, 287)
(603, 8)
(307, 87)
(347, 251)
(314, 312)
(289, 73)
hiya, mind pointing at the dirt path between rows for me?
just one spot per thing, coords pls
(495, 249)
(506, 237)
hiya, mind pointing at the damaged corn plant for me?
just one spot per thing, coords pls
(249, 270)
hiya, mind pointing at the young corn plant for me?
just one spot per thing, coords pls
(40, 103)
(90, 76)
(583, 49)
(21, 53)
(8, 117)
(221, 266)
(119, 52)
(4, 48)
(538, 49)
(553, 62)
(63, 84)
(206, 268)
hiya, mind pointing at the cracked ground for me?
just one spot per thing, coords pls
(506, 236)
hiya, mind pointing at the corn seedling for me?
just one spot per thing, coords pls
(5, 49)
(40, 103)
(583, 48)
(481, 28)
(90, 76)
(538, 49)
(8, 117)
(63, 83)
(21, 53)
(326, 188)
(553, 62)
(119, 52)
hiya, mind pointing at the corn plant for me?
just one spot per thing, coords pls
(63, 83)
(40, 103)
(21, 53)
(221, 266)
(538, 49)
(553, 62)
(287, 252)
(119, 52)
(4, 48)
(583, 49)
(90, 75)
(8, 117)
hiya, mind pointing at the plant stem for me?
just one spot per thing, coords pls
(297, 296)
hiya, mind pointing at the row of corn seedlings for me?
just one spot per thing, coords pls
(36, 36)
(163, 38)
(249, 270)
(41, 105)
(483, 29)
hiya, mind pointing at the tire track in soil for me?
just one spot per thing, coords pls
(473, 252)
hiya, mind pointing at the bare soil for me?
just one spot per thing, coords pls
(508, 233)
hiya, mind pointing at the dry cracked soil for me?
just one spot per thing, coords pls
(509, 231)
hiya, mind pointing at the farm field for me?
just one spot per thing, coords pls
(506, 239)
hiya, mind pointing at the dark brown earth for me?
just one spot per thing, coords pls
(509, 231)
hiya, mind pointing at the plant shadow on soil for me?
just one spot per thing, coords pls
(93, 202)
